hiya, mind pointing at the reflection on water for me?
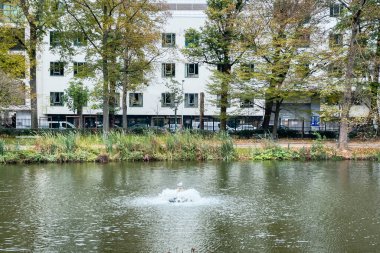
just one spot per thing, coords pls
(236, 207)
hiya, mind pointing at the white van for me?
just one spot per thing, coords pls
(57, 125)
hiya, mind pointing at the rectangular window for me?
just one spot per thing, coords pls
(248, 67)
(335, 71)
(247, 103)
(56, 98)
(335, 40)
(167, 99)
(18, 38)
(79, 68)
(335, 9)
(168, 69)
(135, 99)
(57, 68)
(80, 41)
(192, 70)
(168, 40)
(304, 38)
(117, 100)
(55, 39)
(191, 100)
(191, 40)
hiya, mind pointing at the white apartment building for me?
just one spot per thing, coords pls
(151, 105)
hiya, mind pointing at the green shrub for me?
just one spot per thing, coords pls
(318, 150)
(2, 147)
(227, 149)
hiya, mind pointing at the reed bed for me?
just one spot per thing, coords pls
(76, 147)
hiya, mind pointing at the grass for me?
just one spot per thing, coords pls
(75, 147)
(181, 146)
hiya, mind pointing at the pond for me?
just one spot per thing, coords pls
(241, 207)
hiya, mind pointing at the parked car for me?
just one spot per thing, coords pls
(245, 127)
(211, 126)
(57, 125)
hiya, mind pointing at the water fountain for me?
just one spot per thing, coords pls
(180, 195)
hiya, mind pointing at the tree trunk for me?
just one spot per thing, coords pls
(105, 70)
(112, 103)
(105, 98)
(202, 111)
(112, 81)
(225, 69)
(124, 103)
(268, 112)
(33, 76)
(276, 119)
(374, 115)
(347, 96)
(80, 116)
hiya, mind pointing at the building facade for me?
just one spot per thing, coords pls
(153, 104)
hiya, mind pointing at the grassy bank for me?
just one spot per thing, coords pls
(185, 146)
(74, 147)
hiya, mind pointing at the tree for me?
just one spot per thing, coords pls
(75, 97)
(175, 91)
(280, 31)
(11, 63)
(12, 91)
(355, 9)
(106, 26)
(94, 21)
(219, 43)
(137, 47)
(35, 17)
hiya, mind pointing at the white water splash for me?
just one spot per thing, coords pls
(173, 197)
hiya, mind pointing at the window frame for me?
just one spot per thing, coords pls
(165, 72)
(78, 68)
(136, 103)
(335, 40)
(57, 72)
(54, 39)
(187, 100)
(335, 9)
(195, 68)
(247, 103)
(80, 41)
(164, 97)
(335, 71)
(53, 98)
(168, 39)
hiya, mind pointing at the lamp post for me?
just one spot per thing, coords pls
(176, 102)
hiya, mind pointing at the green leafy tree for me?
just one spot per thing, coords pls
(76, 97)
(110, 29)
(13, 64)
(279, 31)
(12, 91)
(219, 43)
(37, 16)
(351, 21)
(138, 47)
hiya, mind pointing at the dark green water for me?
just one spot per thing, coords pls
(244, 207)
